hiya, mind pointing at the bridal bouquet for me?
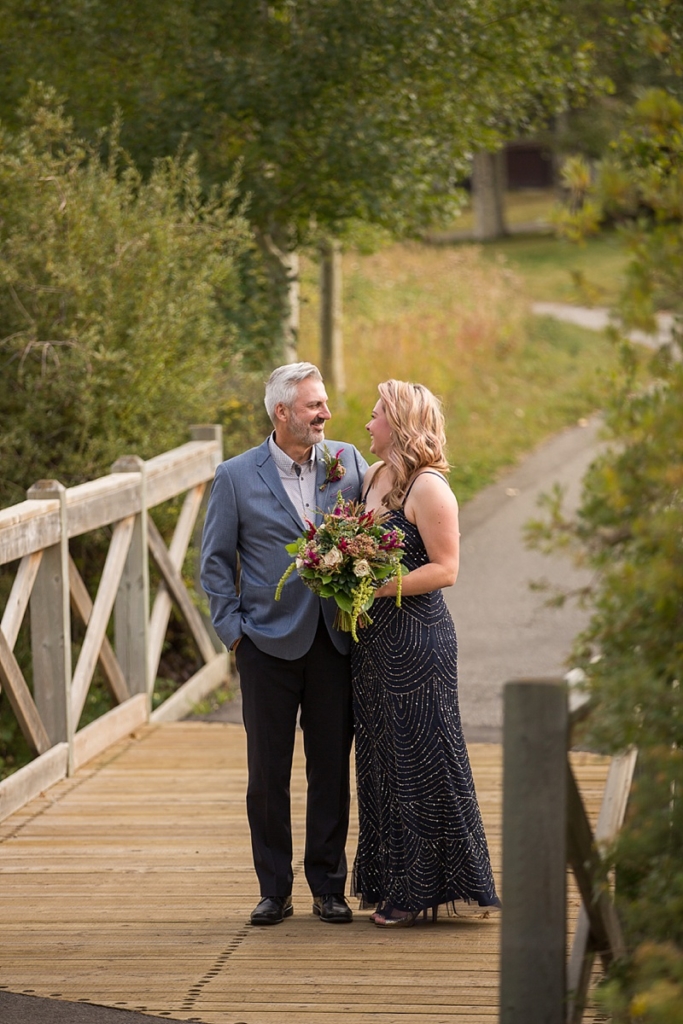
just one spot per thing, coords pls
(347, 557)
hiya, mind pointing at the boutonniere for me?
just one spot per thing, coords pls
(334, 469)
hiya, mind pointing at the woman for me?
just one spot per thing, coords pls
(421, 841)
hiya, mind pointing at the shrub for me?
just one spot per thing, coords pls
(629, 530)
(118, 301)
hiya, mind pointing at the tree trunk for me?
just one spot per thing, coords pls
(290, 324)
(331, 337)
(285, 264)
(488, 188)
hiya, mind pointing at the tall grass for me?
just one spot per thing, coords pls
(459, 323)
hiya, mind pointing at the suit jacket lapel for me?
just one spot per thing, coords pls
(267, 470)
(326, 494)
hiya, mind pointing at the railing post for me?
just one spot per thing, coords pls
(50, 612)
(533, 940)
(131, 608)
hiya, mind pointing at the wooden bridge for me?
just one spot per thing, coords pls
(125, 864)
(130, 884)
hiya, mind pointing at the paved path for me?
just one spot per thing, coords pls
(505, 630)
(20, 1009)
(597, 319)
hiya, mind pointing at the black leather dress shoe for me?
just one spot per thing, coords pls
(272, 910)
(333, 908)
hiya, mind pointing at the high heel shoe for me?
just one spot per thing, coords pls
(390, 917)
(379, 909)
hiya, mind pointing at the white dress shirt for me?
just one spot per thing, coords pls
(298, 480)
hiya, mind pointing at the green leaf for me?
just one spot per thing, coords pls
(344, 601)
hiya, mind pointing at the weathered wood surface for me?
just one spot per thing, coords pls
(17, 602)
(130, 884)
(175, 585)
(99, 616)
(20, 699)
(81, 602)
(28, 527)
(584, 858)
(610, 819)
(161, 610)
(182, 468)
(35, 524)
(44, 771)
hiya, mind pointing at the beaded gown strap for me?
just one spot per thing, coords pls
(433, 472)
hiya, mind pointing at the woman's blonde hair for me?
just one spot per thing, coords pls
(418, 435)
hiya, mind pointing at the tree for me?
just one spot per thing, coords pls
(334, 110)
(114, 300)
(629, 530)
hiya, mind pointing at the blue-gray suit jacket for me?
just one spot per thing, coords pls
(250, 515)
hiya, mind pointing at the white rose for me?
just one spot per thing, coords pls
(332, 558)
(362, 567)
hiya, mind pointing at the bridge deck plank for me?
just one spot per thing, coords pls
(130, 885)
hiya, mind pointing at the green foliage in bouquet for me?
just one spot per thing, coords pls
(346, 557)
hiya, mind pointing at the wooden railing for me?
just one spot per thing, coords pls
(546, 828)
(36, 534)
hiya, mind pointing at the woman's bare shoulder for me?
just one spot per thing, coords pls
(431, 481)
(430, 498)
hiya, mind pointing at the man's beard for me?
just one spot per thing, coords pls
(307, 433)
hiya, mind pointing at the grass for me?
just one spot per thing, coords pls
(557, 271)
(524, 206)
(457, 319)
(553, 270)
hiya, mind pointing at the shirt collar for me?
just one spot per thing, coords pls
(284, 463)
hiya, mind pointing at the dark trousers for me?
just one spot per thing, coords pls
(273, 690)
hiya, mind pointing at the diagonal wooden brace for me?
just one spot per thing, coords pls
(585, 861)
(21, 700)
(101, 611)
(179, 594)
(81, 603)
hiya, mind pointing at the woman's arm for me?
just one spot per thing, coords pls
(433, 508)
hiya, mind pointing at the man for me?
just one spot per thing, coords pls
(289, 655)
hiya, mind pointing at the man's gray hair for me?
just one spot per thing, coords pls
(282, 384)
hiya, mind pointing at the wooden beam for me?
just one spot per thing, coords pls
(109, 728)
(17, 602)
(28, 527)
(178, 592)
(161, 609)
(533, 965)
(21, 701)
(41, 773)
(101, 611)
(584, 859)
(97, 503)
(610, 820)
(177, 471)
(51, 625)
(131, 610)
(203, 682)
(81, 603)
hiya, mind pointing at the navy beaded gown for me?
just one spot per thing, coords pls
(422, 840)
